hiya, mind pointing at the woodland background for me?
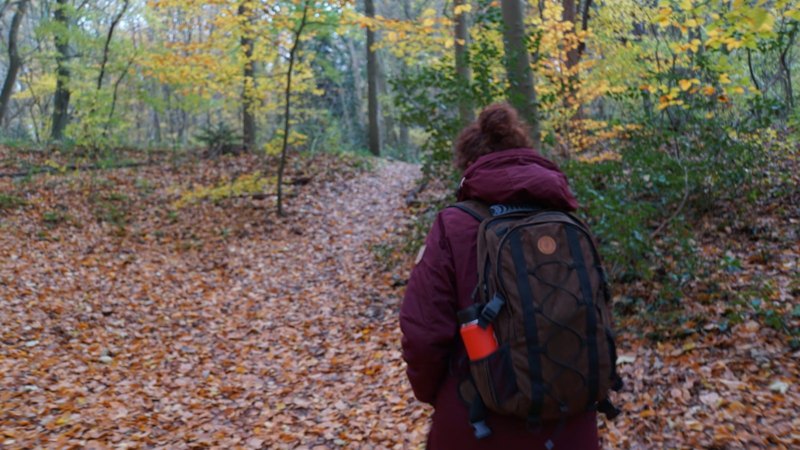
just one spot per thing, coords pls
(208, 209)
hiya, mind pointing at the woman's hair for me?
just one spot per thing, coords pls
(498, 128)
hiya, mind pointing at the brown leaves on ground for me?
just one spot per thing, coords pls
(725, 371)
(128, 324)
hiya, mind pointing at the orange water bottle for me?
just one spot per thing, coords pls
(480, 342)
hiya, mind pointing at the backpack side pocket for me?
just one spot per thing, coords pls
(495, 379)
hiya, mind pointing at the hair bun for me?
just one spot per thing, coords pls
(498, 121)
(498, 128)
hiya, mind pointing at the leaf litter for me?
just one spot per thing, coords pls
(220, 325)
(217, 325)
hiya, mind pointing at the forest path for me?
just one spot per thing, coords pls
(206, 327)
(327, 338)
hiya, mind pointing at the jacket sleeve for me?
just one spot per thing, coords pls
(428, 316)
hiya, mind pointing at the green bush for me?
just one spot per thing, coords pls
(220, 139)
(645, 206)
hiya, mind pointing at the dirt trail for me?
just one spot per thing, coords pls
(270, 336)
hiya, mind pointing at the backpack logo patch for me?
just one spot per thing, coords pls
(546, 245)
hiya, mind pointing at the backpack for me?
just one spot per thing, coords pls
(542, 287)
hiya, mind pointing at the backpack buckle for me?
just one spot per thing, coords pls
(481, 429)
(608, 408)
(491, 310)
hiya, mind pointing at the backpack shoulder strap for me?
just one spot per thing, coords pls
(478, 210)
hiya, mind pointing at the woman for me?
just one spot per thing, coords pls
(499, 167)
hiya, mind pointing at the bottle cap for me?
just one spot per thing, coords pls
(469, 314)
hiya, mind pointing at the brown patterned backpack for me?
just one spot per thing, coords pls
(543, 289)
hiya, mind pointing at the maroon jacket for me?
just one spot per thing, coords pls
(441, 284)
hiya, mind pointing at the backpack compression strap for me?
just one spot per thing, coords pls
(467, 390)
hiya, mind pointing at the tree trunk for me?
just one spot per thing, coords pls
(405, 142)
(101, 76)
(14, 60)
(248, 94)
(466, 112)
(62, 93)
(388, 130)
(573, 57)
(520, 76)
(372, 85)
(183, 135)
(34, 107)
(570, 14)
(358, 89)
(156, 126)
(107, 45)
(288, 104)
(169, 112)
(115, 96)
(787, 71)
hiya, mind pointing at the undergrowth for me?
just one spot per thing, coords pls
(647, 208)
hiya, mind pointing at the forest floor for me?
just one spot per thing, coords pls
(129, 322)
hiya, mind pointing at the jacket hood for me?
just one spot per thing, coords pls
(517, 176)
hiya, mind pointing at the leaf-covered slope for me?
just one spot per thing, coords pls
(214, 325)
(126, 322)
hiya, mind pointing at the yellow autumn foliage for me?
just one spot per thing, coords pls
(253, 183)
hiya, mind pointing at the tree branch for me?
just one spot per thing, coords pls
(107, 45)
(287, 106)
(683, 200)
(750, 66)
(584, 26)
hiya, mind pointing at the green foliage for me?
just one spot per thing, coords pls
(360, 161)
(54, 218)
(219, 139)
(619, 215)
(253, 183)
(428, 96)
(10, 201)
(16, 137)
(87, 131)
(144, 186)
(383, 254)
(112, 208)
(753, 303)
(324, 133)
(643, 207)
